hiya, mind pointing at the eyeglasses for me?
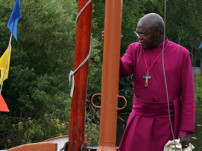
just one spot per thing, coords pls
(144, 34)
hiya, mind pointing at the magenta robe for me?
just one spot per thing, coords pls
(148, 126)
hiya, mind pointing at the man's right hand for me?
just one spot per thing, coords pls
(103, 36)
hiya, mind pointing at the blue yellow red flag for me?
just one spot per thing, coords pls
(13, 21)
(2, 64)
(3, 105)
(200, 46)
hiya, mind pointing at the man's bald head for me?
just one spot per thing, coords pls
(152, 20)
(150, 30)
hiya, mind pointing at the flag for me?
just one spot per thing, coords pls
(13, 21)
(3, 105)
(2, 64)
(200, 45)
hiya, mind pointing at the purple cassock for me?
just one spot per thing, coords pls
(148, 127)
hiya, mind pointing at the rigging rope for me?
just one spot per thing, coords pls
(71, 74)
(81, 11)
(164, 73)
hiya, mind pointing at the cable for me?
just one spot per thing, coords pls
(164, 73)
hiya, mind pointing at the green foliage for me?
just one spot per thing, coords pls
(34, 130)
(126, 90)
(95, 68)
(184, 21)
(37, 88)
(92, 132)
(98, 18)
(47, 34)
(198, 89)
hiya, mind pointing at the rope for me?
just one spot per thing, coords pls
(71, 74)
(81, 11)
(164, 73)
(9, 45)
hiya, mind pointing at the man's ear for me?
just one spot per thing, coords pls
(159, 32)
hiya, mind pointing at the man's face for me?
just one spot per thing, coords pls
(146, 36)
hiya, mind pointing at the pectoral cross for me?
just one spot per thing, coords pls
(147, 77)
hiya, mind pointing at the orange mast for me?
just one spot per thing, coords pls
(77, 121)
(110, 75)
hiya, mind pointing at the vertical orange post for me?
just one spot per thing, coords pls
(77, 121)
(110, 75)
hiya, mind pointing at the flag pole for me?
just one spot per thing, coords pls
(12, 26)
(9, 45)
(110, 75)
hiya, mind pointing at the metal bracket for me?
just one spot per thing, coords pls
(95, 106)
(99, 94)
(124, 104)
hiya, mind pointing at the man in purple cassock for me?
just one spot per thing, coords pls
(148, 127)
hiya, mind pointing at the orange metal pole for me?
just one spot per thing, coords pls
(110, 75)
(77, 121)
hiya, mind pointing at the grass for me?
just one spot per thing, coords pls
(198, 88)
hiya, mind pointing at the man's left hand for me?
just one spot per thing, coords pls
(184, 140)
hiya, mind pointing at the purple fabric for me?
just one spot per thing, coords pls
(185, 133)
(152, 108)
(148, 126)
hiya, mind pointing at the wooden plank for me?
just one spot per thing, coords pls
(42, 146)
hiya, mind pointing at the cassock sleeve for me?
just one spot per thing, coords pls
(126, 63)
(187, 95)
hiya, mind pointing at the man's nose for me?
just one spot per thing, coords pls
(140, 37)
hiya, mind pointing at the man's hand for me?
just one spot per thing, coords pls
(103, 36)
(184, 140)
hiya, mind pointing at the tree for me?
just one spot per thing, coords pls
(36, 90)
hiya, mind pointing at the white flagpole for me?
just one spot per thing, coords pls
(9, 45)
